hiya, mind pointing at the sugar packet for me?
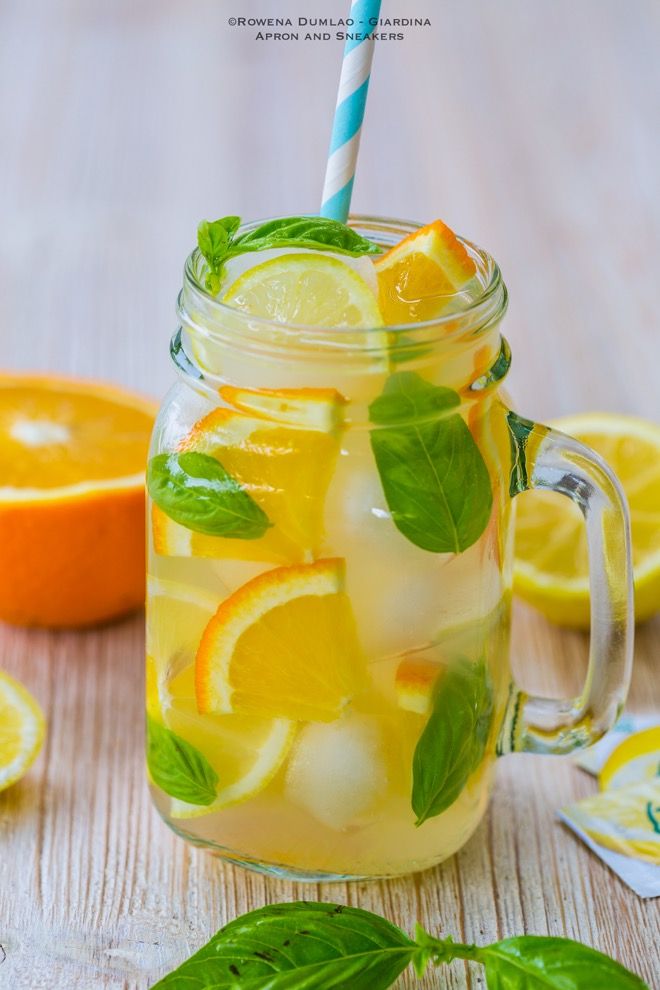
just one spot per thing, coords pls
(621, 823)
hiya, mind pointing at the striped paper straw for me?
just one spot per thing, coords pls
(349, 113)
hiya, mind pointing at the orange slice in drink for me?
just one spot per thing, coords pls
(285, 463)
(284, 645)
(418, 277)
(72, 458)
(415, 681)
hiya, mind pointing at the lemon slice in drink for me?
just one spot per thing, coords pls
(246, 751)
(21, 730)
(306, 289)
(635, 759)
(552, 574)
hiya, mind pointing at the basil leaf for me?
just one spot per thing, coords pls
(195, 490)
(453, 742)
(178, 768)
(299, 946)
(434, 478)
(320, 233)
(535, 962)
(213, 240)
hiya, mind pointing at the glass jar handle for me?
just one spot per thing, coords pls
(543, 458)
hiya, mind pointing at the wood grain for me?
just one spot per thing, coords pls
(530, 127)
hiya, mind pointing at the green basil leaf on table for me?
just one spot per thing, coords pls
(434, 479)
(312, 946)
(178, 768)
(454, 739)
(536, 962)
(195, 490)
(298, 946)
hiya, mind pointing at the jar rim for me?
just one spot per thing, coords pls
(491, 303)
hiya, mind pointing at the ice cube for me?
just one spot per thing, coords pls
(337, 771)
(402, 595)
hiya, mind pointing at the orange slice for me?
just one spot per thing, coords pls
(284, 645)
(415, 682)
(307, 408)
(418, 277)
(72, 458)
(285, 469)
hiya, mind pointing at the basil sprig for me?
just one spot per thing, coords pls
(217, 240)
(195, 490)
(178, 768)
(311, 946)
(434, 478)
(453, 742)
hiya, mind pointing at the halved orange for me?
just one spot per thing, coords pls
(285, 469)
(285, 645)
(72, 459)
(418, 277)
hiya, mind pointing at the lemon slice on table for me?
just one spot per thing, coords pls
(307, 289)
(552, 573)
(285, 645)
(626, 819)
(285, 469)
(245, 751)
(635, 759)
(21, 730)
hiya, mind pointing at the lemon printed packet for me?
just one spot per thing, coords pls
(621, 824)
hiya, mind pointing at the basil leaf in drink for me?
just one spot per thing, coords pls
(319, 233)
(434, 478)
(453, 742)
(213, 240)
(217, 240)
(195, 490)
(536, 962)
(178, 768)
(299, 946)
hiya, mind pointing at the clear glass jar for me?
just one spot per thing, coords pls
(330, 557)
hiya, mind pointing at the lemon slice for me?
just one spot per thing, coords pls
(285, 645)
(552, 574)
(626, 820)
(636, 759)
(306, 289)
(246, 751)
(21, 730)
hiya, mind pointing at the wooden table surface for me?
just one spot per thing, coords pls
(532, 128)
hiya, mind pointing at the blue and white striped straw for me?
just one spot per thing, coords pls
(349, 113)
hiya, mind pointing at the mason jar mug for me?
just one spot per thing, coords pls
(329, 591)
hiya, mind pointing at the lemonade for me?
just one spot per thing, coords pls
(330, 557)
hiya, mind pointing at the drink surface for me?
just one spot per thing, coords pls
(329, 573)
